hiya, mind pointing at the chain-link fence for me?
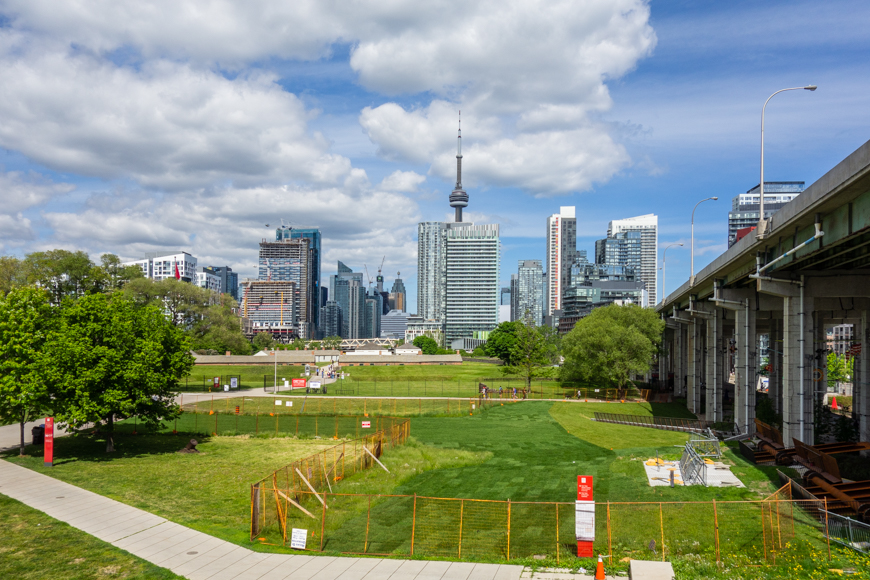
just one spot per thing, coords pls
(476, 530)
(380, 406)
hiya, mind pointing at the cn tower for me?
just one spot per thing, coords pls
(458, 198)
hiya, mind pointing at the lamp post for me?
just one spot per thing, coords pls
(762, 223)
(692, 276)
(664, 257)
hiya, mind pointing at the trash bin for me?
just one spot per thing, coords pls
(38, 434)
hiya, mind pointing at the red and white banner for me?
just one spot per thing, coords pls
(584, 517)
(297, 384)
(366, 424)
(48, 446)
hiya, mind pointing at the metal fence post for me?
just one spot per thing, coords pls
(323, 522)
(609, 535)
(509, 530)
(828, 531)
(413, 524)
(716, 529)
(461, 510)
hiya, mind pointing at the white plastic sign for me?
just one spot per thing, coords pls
(366, 424)
(298, 538)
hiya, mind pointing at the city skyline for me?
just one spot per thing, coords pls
(303, 129)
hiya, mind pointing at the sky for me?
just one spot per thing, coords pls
(188, 125)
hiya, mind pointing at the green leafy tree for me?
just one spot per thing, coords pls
(529, 354)
(332, 342)
(219, 329)
(109, 359)
(263, 341)
(25, 320)
(552, 342)
(115, 274)
(427, 344)
(183, 303)
(838, 369)
(11, 274)
(611, 344)
(62, 273)
(502, 339)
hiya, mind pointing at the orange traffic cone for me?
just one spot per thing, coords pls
(834, 404)
(599, 569)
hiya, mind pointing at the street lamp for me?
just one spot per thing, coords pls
(762, 223)
(664, 257)
(692, 276)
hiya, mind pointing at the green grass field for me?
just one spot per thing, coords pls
(34, 546)
(529, 451)
(376, 407)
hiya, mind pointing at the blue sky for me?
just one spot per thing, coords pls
(185, 125)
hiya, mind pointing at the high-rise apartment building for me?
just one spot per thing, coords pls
(229, 280)
(330, 319)
(397, 295)
(561, 252)
(313, 236)
(528, 286)
(745, 207)
(505, 296)
(289, 260)
(373, 313)
(347, 289)
(271, 306)
(458, 270)
(208, 280)
(394, 324)
(647, 270)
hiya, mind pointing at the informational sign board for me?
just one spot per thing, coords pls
(298, 538)
(314, 385)
(217, 382)
(278, 403)
(234, 383)
(289, 403)
(226, 388)
(48, 445)
(298, 384)
(366, 424)
(584, 517)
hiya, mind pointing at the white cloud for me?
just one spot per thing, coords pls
(16, 228)
(166, 125)
(403, 181)
(19, 191)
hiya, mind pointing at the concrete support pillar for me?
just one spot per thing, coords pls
(680, 348)
(746, 367)
(775, 379)
(797, 400)
(861, 380)
(696, 366)
(714, 366)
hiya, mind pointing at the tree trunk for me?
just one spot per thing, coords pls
(21, 449)
(110, 438)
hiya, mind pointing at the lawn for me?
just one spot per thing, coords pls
(34, 546)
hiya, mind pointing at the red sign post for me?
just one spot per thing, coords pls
(584, 517)
(48, 445)
(297, 384)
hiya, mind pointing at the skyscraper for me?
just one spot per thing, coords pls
(229, 279)
(397, 294)
(458, 269)
(313, 235)
(561, 251)
(330, 317)
(347, 289)
(647, 271)
(290, 261)
(529, 289)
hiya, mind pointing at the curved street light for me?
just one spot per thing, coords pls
(692, 276)
(664, 257)
(762, 223)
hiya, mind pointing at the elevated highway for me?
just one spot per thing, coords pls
(810, 271)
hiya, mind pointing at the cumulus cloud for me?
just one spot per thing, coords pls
(166, 125)
(404, 181)
(20, 190)
(15, 227)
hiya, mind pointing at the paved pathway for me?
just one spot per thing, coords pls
(199, 556)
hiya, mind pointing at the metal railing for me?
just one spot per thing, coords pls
(848, 532)
(692, 467)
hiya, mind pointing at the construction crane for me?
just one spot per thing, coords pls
(369, 278)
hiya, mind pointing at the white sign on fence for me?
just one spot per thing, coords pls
(298, 538)
(234, 383)
(366, 424)
(278, 403)
(289, 403)
(584, 521)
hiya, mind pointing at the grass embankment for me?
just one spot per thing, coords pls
(375, 407)
(36, 546)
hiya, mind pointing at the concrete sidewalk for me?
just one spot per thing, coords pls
(199, 556)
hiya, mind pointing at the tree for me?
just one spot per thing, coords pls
(109, 359)
(529, 353)
(62, 273)
(332, 342)
(218, 329)
(426, 344)
(838, 370)
(116, 275)
(611, 344)
(501, 340)
(184, 303)
(263, 340)
(552, 342)
(11, 274)
(25, 320)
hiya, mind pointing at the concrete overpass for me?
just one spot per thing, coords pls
(810, 271)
